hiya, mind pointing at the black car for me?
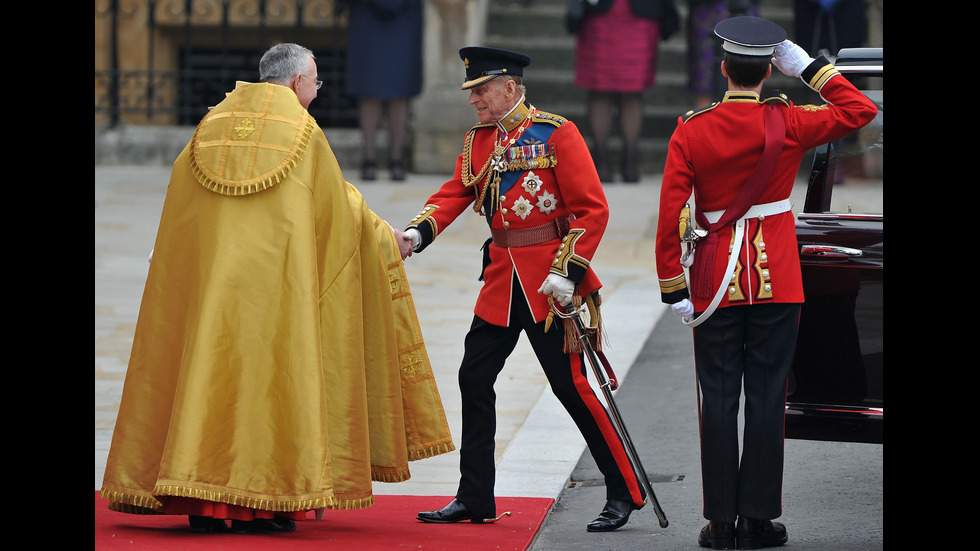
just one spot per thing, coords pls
(835, 390)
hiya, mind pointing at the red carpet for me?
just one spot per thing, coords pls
(389, 525)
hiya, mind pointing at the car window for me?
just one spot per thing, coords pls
(855, 165)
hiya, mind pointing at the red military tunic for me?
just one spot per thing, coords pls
(713, 151)
(534, 172)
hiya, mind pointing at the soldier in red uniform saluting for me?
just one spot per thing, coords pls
(739, 157)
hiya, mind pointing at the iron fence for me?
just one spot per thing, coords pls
(167, 61)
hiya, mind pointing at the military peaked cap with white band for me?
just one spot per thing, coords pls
(747, 35)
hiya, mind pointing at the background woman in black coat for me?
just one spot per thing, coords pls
(384, 71)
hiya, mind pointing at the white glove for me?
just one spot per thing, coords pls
(559, 287)
(413, 235)
(790, 58)
(684, 308)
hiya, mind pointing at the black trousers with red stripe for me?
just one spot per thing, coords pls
(487, 347)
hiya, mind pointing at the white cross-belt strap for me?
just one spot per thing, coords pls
(755, 211)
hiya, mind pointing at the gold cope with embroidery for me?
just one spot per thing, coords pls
(244, 128)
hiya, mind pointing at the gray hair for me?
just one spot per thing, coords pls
(282, 62)
(519, 81)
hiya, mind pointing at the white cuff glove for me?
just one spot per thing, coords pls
(559, 287)
(684, 308)
(790, 58)
(414, 235)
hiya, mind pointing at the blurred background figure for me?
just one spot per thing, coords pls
(384, 71)
(616, 52)
(823, 27)
(703, 54)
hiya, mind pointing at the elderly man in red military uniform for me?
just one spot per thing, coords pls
(529, 172)
(740, 157)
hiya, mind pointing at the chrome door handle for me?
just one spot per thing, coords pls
(829, 251)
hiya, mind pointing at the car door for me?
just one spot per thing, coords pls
(836, 386)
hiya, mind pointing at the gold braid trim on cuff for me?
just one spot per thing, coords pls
(821, 76)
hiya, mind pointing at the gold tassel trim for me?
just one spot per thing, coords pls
(390, 474)
(593, 332)
(278, 175)
(125, 502)
(117, 504)
(351, 504)
(136, 504)
(250, 502)
(432, 451)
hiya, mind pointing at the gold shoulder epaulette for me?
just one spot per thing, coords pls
(695, 112)
(477, 127)
(776, 97)
(550, 118)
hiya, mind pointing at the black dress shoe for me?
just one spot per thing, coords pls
(397, 167)
(756, 534)
(601, 159)
(613, 516)
(454, 512)
(262, 526)
(369, 169)
(717, 535)
(631, 173)
(207, 524)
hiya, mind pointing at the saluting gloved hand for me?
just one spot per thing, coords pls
(684, 308)
(559, 287)
(790, 58)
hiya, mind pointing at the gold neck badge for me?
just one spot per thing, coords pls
(517, 120)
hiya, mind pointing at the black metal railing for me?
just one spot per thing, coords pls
(167, 61)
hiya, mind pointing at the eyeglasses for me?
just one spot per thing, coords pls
(319, 83)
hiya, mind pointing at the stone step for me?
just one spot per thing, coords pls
(537, 28)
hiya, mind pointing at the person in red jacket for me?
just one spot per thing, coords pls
(529, 172)
(739, 157)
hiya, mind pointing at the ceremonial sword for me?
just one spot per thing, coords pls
(598, 367)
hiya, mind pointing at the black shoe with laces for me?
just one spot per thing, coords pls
(751, 533)
(717, 535)
(207, 524)
(262, 526)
